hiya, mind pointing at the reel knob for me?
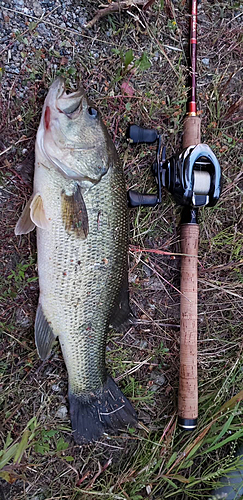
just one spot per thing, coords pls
(139, 134)
(136, 199)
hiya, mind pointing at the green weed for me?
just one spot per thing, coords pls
(129, 63)
(19, 277)
(229, 239)
(33, 438)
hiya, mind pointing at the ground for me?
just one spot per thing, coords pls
(133, 65)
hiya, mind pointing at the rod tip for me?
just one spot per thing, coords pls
(187, 424)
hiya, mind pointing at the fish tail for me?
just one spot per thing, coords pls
(105, 411)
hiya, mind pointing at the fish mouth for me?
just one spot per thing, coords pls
(63, 102)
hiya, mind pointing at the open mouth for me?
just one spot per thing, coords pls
(68, 103)
(64, 102)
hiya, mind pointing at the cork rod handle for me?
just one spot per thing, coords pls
(188, 389)
(191, 131)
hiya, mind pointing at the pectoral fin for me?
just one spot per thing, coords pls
(44, 336)
(74, 214)
(33, 215)
(37, 212)
(25, 224)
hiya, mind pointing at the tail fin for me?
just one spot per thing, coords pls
(105, 411)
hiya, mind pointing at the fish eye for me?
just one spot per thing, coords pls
(93, 112)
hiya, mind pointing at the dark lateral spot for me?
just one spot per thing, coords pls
(79, 262)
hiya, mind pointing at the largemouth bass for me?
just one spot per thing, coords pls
(79, 207)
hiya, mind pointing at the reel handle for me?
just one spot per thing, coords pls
(140, 134)
(136, 199)
(188, 385)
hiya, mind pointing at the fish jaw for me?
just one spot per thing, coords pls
(58, 100)
(56, 90)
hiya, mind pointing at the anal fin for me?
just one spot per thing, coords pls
(44, 336)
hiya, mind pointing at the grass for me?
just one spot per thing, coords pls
(38, 458)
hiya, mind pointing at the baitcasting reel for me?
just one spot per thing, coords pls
(193, 176)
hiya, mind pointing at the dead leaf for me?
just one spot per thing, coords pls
(127, 89)
(7, 476)
(63, 61)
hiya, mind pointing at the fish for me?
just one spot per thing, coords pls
(79, 207)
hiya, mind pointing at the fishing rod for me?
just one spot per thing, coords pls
(193, 177)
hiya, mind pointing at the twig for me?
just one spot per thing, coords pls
(167, 428)
(150, 250)
(100, 470)
(150, 318)
(22, 139)
(132, 248)
(132, 370)
(56, 26)
(237, 107)
(39, 20)
(113, 7)
(160, 276)
(221, 288)
(222, 267)
(157, 322)
(82, 479)
(152, 36)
